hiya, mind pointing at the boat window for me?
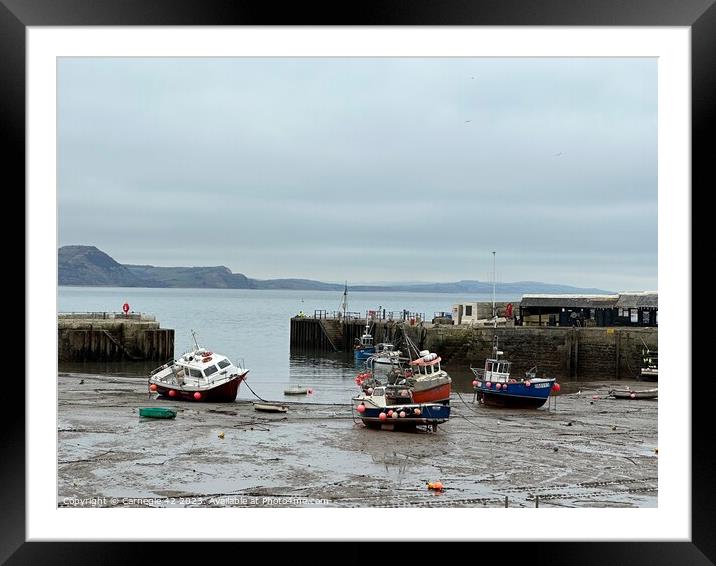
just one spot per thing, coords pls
(224, 363)
(378, 392)
(195, 373)
(211, 369)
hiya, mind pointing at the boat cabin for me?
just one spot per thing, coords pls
(426, 365)
(197, 368)
(497, 371)
(366, 341)
(384, 348)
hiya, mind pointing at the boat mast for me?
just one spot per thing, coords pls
(345, 300)
(494, 311)
(495, 348)
(193, 335)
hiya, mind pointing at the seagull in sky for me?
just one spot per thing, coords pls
(468, 121)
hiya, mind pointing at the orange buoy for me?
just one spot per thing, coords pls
(153, 387)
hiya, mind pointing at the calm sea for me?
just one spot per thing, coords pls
(253, 326)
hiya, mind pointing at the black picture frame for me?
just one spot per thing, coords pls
(17, 15)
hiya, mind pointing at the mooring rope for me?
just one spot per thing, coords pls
(254, 392)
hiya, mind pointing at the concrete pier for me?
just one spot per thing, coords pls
(573, 353)
(110, 336)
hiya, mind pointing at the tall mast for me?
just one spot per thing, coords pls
(344, 303)
(494, 312)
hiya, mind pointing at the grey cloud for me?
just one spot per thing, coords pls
(352, 168)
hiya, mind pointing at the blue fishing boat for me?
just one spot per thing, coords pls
(494, 385)
(389, 408)
(364, 348)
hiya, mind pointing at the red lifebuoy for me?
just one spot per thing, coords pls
(125, 308)
(207, 359)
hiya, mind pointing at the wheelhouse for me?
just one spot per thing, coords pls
(497, 370)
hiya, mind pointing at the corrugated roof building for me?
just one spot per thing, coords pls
(621, 309)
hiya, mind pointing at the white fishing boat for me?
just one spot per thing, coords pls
(386, 355)
(198, 375)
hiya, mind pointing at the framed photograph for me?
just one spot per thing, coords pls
(309, 151)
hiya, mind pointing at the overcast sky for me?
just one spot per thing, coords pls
(375, 169)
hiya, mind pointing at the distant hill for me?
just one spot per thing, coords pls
(297, 284)
(86, 265)
(89, 266)
(219, 277)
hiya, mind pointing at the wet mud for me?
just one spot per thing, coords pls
(585, 453)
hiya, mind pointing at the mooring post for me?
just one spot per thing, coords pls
(506, 502)
(536, 500)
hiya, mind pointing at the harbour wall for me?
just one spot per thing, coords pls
(106, 336)
(576, 353)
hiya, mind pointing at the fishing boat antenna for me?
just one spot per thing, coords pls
(193, 335)
(494, 311)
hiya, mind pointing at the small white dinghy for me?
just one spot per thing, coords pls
(296, 390)
(270, 408)
(634, 394)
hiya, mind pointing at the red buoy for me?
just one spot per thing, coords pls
(474, 383)
(197, 395)
(382, 416)
(556, 387)
(172, 393)
(417, 411)
(390, 413)
(402, 414)
(527, 383)
(498, 386)
(153, 387)
(488, 384)
(361, 408)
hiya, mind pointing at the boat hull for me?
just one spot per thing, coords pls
(649, 375)
(517, 395)
(222, 393)
(435, 395)
(430, 414)
(363, 354)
